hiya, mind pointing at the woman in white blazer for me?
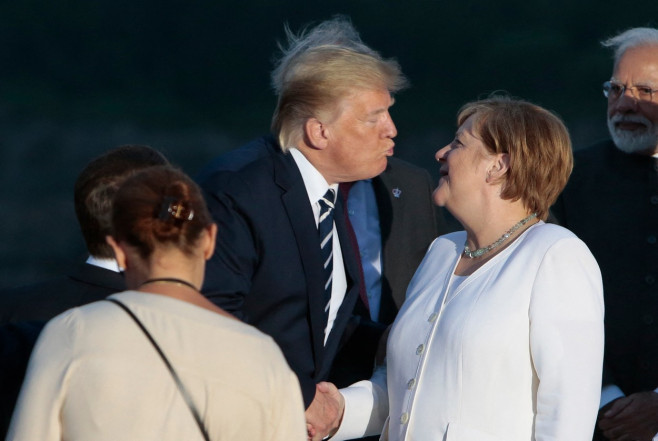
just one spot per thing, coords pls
(501, 335)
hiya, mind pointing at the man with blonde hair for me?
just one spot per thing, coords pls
(611, 203)
(284, 261)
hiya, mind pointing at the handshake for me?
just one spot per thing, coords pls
(324, 415)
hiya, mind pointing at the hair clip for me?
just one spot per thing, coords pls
(171, 207)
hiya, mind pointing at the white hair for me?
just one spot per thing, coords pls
(629, 39)
(629, 141)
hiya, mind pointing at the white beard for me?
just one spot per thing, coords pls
(629, 141)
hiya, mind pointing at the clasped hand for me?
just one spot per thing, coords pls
(631, 418)
(325, 413)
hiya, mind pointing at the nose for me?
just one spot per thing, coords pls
(625, 103)
(440, 155)
(390, 131)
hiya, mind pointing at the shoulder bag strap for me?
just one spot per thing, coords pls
(181, 388)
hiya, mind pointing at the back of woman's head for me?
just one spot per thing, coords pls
(160, 206)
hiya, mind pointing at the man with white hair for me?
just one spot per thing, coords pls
(611, 203)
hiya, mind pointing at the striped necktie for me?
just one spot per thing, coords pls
(326, 230)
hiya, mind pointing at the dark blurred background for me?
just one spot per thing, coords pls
(79, 77)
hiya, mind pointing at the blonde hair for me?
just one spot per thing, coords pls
(538, 145)
(320, 68)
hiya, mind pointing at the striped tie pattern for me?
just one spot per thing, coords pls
(326, 230)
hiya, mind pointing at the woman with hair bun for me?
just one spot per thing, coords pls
(159, 361)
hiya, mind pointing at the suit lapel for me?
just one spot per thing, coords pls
(296, 203)
(383, 186)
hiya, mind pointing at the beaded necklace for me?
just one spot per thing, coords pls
(482, 251)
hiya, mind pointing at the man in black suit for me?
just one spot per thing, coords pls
(611, 203)
(332, 125)
(25, 310)
(395, 221)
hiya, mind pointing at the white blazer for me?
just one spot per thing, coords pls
(515, 353)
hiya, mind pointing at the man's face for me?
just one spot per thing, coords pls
(360, 138)
(633, 122)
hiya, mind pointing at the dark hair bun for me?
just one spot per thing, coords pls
(158, 206)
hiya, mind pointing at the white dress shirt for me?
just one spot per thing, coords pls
(316, 187)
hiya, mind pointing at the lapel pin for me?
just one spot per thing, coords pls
(396, 192)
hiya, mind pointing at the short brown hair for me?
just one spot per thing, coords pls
(96, 186)
(538, 145)
(320, 68)
(159, 206)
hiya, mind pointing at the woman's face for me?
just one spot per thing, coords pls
(464, 166)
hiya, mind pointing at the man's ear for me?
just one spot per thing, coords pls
(315, 133)
(498, 168)
(119, 254)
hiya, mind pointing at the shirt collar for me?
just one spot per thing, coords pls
(109, 264)
(316, 184)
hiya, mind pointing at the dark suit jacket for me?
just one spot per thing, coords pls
(611, 203)
(267, 266)
(25, 310)
(408, 224)
(44, 300)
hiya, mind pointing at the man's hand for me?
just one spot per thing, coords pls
(631, 418)
(325, 413)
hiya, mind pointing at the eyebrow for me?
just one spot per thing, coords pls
(641, 83)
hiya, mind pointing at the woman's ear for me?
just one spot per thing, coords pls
(208, 241)
(498, 168)
(315, 133)
(119, 253)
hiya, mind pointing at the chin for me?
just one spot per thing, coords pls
(630, 142)
(638, 141)
(382, 166)
(438, 197)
